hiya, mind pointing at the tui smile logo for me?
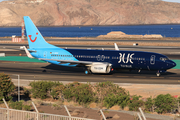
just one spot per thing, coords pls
(31, 38)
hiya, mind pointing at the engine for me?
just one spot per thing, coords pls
(100, 68)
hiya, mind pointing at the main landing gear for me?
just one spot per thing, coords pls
(87, 72)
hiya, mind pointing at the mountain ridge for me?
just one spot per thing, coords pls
(89, 12)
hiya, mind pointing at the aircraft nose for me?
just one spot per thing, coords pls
(171, 64)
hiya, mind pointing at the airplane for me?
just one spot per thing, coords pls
(95, 61)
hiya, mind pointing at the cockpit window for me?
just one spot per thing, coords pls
(163, 59)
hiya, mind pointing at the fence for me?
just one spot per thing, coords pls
(12, 114)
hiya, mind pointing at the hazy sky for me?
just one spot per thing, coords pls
(163, 0)
(2, 0)
(172, 1)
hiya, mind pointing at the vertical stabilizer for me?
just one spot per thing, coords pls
(35, 39)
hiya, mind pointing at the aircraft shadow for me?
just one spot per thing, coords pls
(82, 69)
(64, 68)
(143, 72)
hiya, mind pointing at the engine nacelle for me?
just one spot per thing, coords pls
(100, 68)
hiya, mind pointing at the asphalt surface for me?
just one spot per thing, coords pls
(102, 40)
(158, 49)
(46, 71)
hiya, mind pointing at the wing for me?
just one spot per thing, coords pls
(72, 62)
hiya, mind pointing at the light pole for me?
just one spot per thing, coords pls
(18, 86)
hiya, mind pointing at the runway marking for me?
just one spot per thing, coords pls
(176, 53)
(156, 77)
(106, 75)
(67, 77)
(122, 76)
(139, 77)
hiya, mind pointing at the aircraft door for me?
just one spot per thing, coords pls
(152, 59)
(45, 54)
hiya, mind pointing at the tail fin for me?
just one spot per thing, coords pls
(35, 39)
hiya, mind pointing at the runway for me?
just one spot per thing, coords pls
(36, 71)
(105, 40)
(169, 51)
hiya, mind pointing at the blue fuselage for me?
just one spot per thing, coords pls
(119, 59)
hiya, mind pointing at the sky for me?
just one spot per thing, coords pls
(178, 1)
(163, 0)
(2, 0)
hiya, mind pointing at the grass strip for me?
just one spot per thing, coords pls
(20, 59)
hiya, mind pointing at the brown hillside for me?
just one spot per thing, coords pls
(89, 12)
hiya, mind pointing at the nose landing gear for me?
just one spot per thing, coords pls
(158, 73)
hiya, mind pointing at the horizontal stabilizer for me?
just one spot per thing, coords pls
(27, 52)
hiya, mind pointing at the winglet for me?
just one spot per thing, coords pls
(27, 52)
(116, 47)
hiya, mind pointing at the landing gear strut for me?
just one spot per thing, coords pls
(158, 74)
(87, 72)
